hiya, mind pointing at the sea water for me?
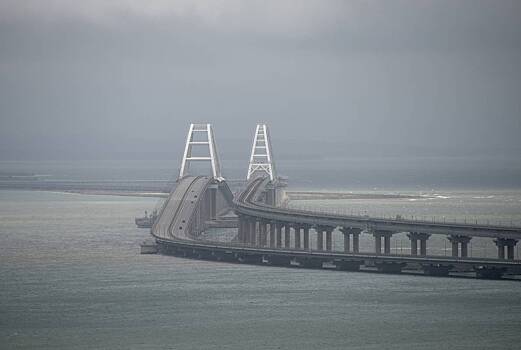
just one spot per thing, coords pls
(71, 277)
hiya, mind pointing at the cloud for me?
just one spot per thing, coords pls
(419, 72)
(282, 16)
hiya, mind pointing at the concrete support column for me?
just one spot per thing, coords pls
(423, 247)
(279, 234)
(287, 232)
(377, 243)
(306, 237)
(455, 249)
(507, 243)
(500, 251)
(329, 239)
(320, 238)
(297, 236)
(246, 228)
(457, 240)
(414, 246)
(347, 242)
(464, 249)
(272, 235)
(387, 244)
(386, 235)
(415, 237)
(240, 230)
(262, 233)
(356, 241)
(253, 232)
(510, 252)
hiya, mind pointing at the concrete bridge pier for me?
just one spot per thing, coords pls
(377, 243)
(306, 236)
(287, 235)
(240, 228)
(279, 226)
(263, 228)
(356, 241)
(347, 239)
(272, 234)
(253, 232)
(507, 243)
(329, 239)
(415, 237)
(320, 238)
(244, 230)
(296, 229)
(386, 235)
(459, 241)
(347, 232)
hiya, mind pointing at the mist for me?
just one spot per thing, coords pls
(123, 80)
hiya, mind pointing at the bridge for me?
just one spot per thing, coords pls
(268, 233)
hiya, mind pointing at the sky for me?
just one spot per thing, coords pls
(123, 79)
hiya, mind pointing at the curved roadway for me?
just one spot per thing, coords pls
(173, 224)
(178, 210)
(247, 204)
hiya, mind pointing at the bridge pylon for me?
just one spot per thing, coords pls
(201, 135)
(261, 158)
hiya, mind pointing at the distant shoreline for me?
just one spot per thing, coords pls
(291, 195)
(312, 195)
(116, 193)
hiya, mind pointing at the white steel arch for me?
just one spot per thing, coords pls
(206, 139)
(261, 160)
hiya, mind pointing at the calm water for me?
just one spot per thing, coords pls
(71, 277)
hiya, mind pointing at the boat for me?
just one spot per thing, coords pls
(148, 247)
(147, 221)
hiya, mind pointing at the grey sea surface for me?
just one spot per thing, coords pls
(71, 277)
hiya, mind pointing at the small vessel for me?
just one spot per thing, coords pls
(148, 247)
(147, 221)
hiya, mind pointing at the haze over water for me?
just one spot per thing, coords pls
(411, 97)
(72, 277)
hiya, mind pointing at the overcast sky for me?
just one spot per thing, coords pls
(124, 78)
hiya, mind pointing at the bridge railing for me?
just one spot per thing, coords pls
(248, 195)
(411, 218)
